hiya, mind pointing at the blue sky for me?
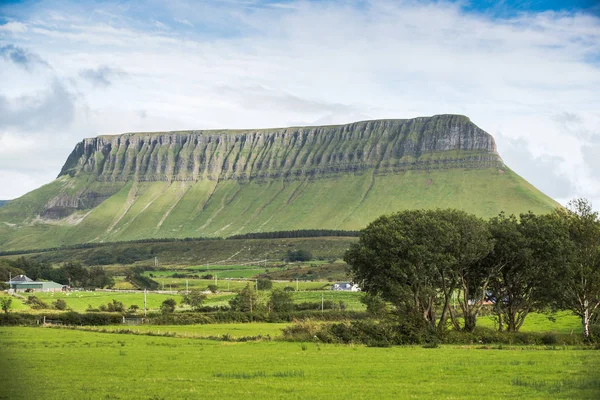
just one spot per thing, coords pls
(526, 72)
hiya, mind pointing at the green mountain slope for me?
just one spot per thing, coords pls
(221, 183)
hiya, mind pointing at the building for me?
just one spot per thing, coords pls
(346, 286)
(22, 283)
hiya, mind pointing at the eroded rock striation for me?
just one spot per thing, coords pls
(443, 141)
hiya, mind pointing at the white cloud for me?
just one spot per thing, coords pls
(528, 80)
(13, 27)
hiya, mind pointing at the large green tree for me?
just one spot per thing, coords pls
(528, 254)
(418, 259)
(580, 283)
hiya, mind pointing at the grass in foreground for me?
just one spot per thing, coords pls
(58, 364)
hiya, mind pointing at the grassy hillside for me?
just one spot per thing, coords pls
(201, 252)
(217, 209)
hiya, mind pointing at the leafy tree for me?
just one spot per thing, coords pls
(133, 308)
(168, 306)
(580, 284)
(528, 255)
(5, 304)
(194, 298)
(417, 259)
(466, 276)
(299, 255)
(264, 284)
(246, 300)
(99, 278)
(281, 301)
(6, 271)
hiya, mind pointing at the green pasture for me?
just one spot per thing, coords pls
(205, 330)
(560, 322)
(231, 284)
(79, 301)
(351, 299)
(62, 364)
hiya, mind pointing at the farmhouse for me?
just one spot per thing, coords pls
(22, 283)
(346, 286)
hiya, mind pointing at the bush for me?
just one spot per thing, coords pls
(36, 303)
(60, 304)
(299, 255)
(168, 306)
(114, 306)
(213, 288)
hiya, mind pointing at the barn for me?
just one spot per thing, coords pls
(22, 283)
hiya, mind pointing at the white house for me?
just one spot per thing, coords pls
(346, 286)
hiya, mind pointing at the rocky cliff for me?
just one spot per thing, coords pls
(442, 141)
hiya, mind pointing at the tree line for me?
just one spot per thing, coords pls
(301, 233)
(69, 273)
(441, 267)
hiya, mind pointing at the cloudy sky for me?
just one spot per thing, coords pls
(528, 74)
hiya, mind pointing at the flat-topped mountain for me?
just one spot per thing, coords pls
(384, 145)
(220, 183)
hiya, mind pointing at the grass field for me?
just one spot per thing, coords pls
(80, 301)
(234, 330)
(59, 364)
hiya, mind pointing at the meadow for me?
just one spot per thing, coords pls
(57, 364)
(81, 301)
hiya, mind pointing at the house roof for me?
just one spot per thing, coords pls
(20, 279)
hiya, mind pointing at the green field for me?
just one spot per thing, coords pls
(80, 301)
(234, 330)
(59, 364)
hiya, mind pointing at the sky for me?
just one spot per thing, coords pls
(527, 72)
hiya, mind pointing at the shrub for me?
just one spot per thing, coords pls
(168, 306)
(299, 255)
(36, 303)
(5, 303)
(213, 288)
(60, 304)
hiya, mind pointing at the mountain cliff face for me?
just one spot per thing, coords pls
(385, 145)
(219, 183)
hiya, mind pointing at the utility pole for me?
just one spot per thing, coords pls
(186, 287)
(322, 302)
(145, 303)
(257, 285)
(296, 284)
(155, 262)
